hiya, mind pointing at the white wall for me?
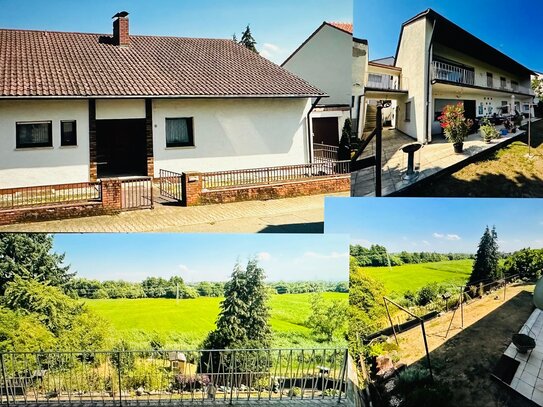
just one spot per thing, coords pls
(233, 134)
(413, 59)
(46, 165)
(325, 61)
(359, 72)
(120, 109)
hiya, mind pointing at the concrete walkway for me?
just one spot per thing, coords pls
(435, 158)
(290, 215)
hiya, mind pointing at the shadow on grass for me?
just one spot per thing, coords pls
(465, 362)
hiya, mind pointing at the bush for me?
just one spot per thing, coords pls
(428, 294)
(411, 378)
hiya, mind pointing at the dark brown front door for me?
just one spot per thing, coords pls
(325, 131)
(121, 147)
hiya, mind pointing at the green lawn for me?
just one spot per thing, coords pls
(505, 173)
(411, 277)
(186, 322)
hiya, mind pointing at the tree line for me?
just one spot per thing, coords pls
(175, 287)
(378, 256)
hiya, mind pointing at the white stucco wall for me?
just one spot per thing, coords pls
(325, 61)
(233, 134)
(120, 109)
(359, 72)
(45, 165)
(413, 59)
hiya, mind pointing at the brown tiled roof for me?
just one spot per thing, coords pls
(62, 64)
(347, 27)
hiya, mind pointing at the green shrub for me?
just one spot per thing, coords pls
(428, 294)
(411, 378)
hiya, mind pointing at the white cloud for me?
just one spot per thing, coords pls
(426, 242)
(263, 256)
(271, 51)
(333, 255)
(448, 236)
(361, 242)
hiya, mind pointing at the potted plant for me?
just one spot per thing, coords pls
(488, 131)
(455, 125)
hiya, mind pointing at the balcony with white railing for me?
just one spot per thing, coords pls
(382, 81)
(452, 73)
(442, 71)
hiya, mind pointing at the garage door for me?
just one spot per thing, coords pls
(325, 130)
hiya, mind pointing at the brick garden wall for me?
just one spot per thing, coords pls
(110, 204)
(194, 195)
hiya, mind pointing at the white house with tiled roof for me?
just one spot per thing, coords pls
(324, 60)
(75, 107)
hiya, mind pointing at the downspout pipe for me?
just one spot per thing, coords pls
(428, 86)
(309, 128)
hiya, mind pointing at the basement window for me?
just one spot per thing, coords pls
(408, 112)
(34, 134)
(68, 133)
(179, 132)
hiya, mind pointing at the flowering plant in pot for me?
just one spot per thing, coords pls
(455, 125)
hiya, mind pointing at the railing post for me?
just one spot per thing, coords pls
(119, 378)
(343, 374)
(232, 377)
(5, 380)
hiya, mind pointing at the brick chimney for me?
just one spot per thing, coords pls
(121, 35)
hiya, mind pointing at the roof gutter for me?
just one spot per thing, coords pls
(309, 127)
(428, 87)
(255, 96)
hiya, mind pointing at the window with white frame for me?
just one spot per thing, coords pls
(408, 111)
(34, 134)
(179, 132)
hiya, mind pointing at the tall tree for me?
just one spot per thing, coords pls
(258, 327)
(247, 39)
(30, 256)
(485, 267)
(344, 151)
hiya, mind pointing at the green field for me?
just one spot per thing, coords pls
(186, 322)
(411, 277)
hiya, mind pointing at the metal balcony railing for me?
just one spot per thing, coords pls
(386, 81)
(158, 377)
(451, 73)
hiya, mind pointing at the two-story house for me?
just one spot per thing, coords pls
(438, 63)
(324, 60)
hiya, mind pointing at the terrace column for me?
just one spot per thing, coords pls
(149, 137)
(93, 164)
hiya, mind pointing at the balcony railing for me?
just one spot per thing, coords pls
(157, 377)
(451, 73)
(385, 81)
(325, 152)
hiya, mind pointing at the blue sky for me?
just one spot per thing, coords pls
(204, 257)
(442, 225)
(513, 27)
(278, 26)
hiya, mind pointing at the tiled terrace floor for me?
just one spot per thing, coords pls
(528, 379)
(430, 160)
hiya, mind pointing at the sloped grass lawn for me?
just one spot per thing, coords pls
(411, 277)
(505, 173)
(185, 323)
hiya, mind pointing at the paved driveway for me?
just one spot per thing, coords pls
(290, 215)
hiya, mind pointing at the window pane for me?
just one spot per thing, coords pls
(68, 135)
(34, 134)
(178, 132)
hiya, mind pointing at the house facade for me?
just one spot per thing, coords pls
(76, 107)
(438, 63)
(324, 60)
